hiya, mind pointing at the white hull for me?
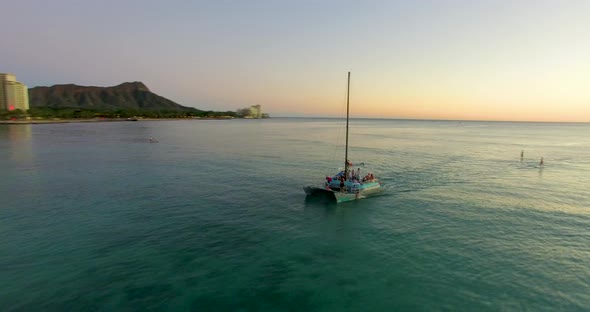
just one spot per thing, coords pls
(348, 194)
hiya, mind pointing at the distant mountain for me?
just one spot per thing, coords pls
(128, 95)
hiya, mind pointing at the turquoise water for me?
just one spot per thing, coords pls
(214, 218)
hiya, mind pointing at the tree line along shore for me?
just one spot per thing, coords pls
(73, 114)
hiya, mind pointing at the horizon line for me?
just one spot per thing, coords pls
(433, 119)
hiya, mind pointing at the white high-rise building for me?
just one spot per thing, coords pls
(13, 94)
(255, 111)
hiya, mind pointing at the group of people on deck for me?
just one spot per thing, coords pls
(351, 175)
(355, 176)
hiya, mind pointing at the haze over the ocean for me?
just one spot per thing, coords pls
(485, 60)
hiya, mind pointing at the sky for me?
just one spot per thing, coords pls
(464, 60)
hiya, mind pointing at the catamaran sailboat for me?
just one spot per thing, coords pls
(347, 185)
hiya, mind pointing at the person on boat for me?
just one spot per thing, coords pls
(341, 182)
(328, 179)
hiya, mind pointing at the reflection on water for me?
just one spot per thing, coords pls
(17, 162)
(19, 138)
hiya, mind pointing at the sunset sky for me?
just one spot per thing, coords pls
(482, 60)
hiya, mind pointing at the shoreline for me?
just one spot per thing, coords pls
(61, 121)
(57, 121)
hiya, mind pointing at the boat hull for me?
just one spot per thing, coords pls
(349, 193)
(312, 191)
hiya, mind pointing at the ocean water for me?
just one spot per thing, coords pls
(93, 217)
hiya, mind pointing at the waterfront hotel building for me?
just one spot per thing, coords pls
(13, 94)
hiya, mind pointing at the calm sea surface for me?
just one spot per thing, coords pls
(214, 218)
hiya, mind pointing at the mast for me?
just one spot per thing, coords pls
(347, 116)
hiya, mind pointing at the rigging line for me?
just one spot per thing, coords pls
(340, 128)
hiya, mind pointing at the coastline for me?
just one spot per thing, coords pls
(58, 121)
(81, 120)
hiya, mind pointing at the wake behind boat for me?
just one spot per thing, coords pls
(347, 185)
